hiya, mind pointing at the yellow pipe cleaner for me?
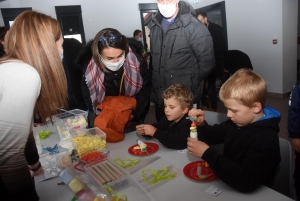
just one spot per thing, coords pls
(126, 162)
(112, 193)
(159, 175)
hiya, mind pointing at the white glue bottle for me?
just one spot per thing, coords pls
(193, 132)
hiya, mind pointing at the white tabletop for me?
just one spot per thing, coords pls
(179, 188)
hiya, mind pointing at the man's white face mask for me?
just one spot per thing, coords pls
(167, 10)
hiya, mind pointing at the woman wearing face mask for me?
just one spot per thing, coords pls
(32, 79)
(111, 68)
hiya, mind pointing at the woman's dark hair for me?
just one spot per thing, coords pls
(3, 31)
(108, 38)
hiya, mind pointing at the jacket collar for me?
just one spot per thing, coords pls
(182, 17)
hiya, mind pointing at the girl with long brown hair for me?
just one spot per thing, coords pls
(32, 80)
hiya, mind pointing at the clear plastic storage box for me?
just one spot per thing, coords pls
(107, 173)
(70, 119)
(87, 140)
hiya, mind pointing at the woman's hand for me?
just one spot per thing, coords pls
(196, 148)
(35, 169)
(199, 114)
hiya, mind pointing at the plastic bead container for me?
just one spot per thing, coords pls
(78, 187)
(86, 140)
(70, 119)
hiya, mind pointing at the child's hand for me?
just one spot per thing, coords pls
(149, 130)
(140, 129)
(196, 148)
(199, 114)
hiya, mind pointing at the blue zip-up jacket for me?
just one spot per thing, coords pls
(294, 112)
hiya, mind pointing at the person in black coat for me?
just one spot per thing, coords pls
(181, 50)
(71, 48)
(174, 128)
(294, 132)
(251, 152)
(209, 96)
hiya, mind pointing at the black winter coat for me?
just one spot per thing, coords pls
(182, 55)
(173, 134)
(219, 47)
(251, 153)
(142, 97)
(71, 48)
(294, 112)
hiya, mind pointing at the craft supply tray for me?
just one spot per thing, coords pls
(88, 139)
(107, 173)
(70, 119)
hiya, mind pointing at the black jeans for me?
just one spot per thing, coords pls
(297, 175)
(159, 112)
(210, 92)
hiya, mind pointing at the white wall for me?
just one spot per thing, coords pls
(251, 27)
(290, 33)
(123, 15)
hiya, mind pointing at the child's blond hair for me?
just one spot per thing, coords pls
(181, 93)
(246, 87)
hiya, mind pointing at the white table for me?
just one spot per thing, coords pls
(179, 188)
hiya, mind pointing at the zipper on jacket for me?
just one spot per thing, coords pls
(161, 48)
(172, 47)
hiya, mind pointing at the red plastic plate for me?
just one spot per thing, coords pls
(190, 171)
(151, 149)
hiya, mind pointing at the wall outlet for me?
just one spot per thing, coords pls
(267, 82)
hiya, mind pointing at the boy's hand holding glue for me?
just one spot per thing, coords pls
(195, 147)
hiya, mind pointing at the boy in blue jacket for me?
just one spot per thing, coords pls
(250, 135)
(294, 132)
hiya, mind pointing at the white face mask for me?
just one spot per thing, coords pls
(113, 66)
(140, 39)
(167, 10)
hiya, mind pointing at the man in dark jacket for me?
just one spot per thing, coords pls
(294, 132)
(209, 95)
(71, 48)
(182, 50)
